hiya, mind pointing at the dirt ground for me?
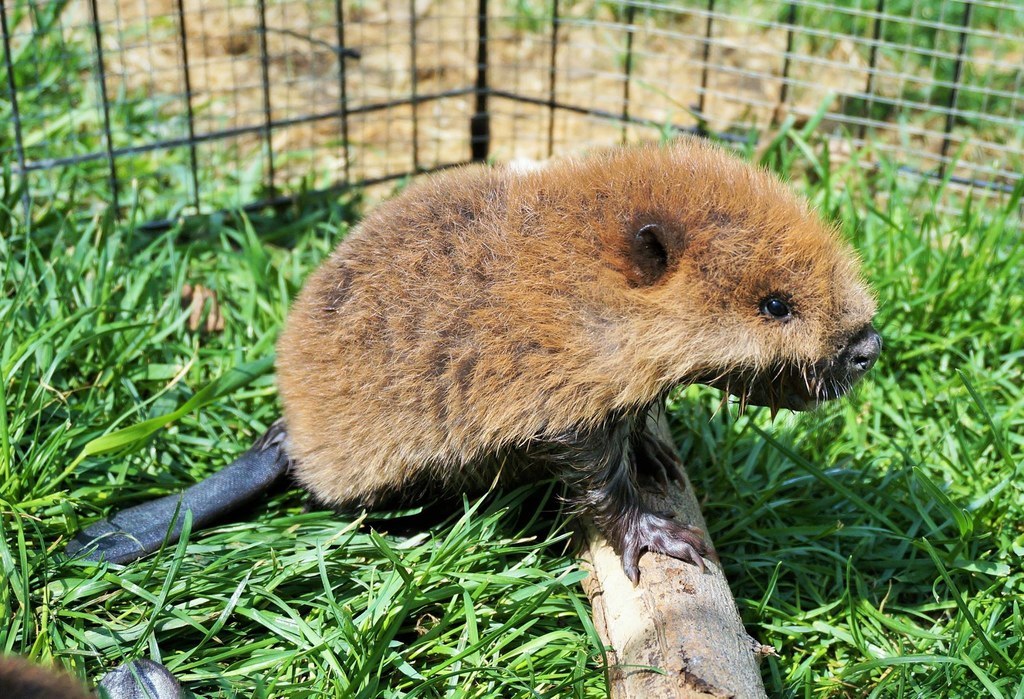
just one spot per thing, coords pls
(742, 72)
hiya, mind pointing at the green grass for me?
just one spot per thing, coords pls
(875, 544)
(289, 603)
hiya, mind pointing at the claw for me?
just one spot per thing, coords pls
(686, 552)
(631, 567)
(647, 531)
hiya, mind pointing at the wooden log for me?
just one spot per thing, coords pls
(683, 622)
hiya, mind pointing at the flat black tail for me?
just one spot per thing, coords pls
(131, 534)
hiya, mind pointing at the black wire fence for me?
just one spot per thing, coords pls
(178, 107)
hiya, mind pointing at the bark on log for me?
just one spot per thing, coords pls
(677, 619)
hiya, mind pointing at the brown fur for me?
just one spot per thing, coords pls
(20, 679)
(486, 310)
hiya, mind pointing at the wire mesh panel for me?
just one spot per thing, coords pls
(227, 103)
(935, 86)
(190, 106)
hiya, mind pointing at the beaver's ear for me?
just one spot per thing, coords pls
(651, 253)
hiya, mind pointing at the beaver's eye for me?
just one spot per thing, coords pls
(775, 307)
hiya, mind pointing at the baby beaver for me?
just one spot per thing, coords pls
(493, 322)
(489, 319)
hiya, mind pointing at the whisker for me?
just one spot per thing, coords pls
(721, 404)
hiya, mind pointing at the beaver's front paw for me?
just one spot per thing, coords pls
(647, 531)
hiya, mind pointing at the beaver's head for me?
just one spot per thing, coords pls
(737, 283)
(795, 311)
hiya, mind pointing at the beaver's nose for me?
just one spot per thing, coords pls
(863, 350)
